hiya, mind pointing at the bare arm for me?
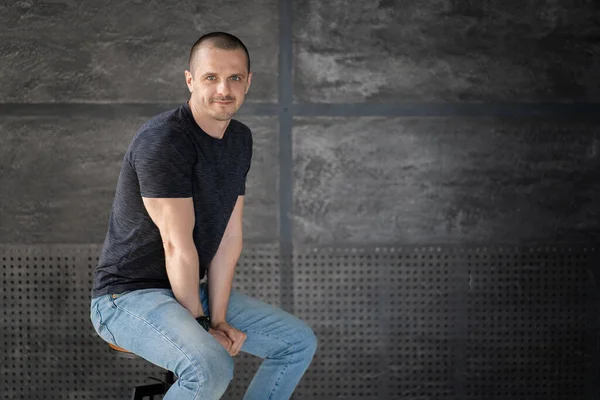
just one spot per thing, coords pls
(175, 219)
(222, 268)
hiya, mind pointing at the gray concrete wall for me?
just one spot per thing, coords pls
(451, 51)
(59, 176)
(446, 180)
(113, 51)
(397, 178)
(59, 170)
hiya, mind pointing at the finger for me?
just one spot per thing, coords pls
(235, 351)
(229, 341)
(227, 344)
(237, 345)
(224, 340)
(239, 348)
(232, 347)
(234, 334)
(237, 337)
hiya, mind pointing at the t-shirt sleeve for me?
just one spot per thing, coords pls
(249, 162)
(163, 164)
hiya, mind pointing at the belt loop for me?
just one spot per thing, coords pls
(111, 300)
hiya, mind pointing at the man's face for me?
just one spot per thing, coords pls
(219, 81)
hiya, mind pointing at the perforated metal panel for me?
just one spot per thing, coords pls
(340, 298)
(393, 323)
(385, 320)
(49, 347)
(423, 292)
(449, 322)
(527, 323)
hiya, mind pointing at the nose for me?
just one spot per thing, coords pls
(223, 88)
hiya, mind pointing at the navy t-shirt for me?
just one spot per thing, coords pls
(171, 156)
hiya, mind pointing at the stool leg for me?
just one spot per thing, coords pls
(136, 396)
(139, 392)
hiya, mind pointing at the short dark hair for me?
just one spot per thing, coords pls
(221, 40)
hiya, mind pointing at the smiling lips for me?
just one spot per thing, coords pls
(223, 102)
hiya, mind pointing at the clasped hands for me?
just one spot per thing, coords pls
(229, 337)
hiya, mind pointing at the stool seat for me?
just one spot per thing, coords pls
(117, 348)
(121, 351)
(139, 392)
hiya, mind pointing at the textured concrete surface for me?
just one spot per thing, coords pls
(135, 51)
(58, 178)
(449, 50)
(446, 180)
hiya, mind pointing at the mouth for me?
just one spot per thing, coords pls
(224, 103)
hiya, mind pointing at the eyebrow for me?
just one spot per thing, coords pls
(214, 73)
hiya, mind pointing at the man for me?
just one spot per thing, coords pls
(177, 215)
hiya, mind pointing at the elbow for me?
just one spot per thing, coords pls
(173, 249)
(170, 248)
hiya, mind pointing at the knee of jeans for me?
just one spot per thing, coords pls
(308, 340)
(219, 372)
(213, 373)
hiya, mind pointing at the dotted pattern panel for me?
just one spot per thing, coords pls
(527, 323)
(49, 347)
(384, 321)
(422, 286)
(339, 299)
(449, 322)
(393, 323)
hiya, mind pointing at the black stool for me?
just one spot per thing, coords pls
(139, 392)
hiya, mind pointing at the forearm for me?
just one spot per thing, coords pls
(220, 277)
(183, 272)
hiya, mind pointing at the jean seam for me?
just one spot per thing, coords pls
(281, 376)
(104, 325)
(286, 365)
(169, 340)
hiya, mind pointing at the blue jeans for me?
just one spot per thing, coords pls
(152, 324)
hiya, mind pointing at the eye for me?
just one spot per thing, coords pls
(236, 78)
(210, 78)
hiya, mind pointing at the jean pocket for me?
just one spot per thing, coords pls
(100, 327)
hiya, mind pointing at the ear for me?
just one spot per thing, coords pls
(189, 80)
(249, 82)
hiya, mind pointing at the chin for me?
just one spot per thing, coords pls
(222, 116)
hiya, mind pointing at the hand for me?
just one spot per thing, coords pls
(236, 336)
(221, 338)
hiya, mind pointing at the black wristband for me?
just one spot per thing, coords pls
(204, 321)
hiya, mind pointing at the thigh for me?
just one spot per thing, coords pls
(269, 329)
(152, 324)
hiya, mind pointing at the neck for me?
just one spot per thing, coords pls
(208, 124)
